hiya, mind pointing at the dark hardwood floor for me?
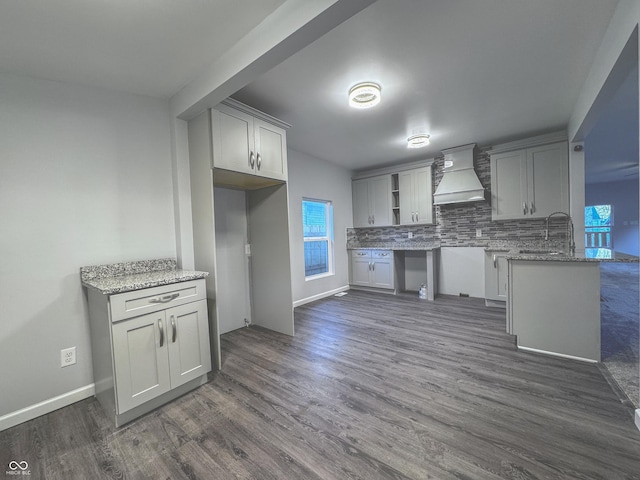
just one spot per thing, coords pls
(371, 387)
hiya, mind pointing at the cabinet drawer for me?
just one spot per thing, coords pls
(148, 300)
(382, 254)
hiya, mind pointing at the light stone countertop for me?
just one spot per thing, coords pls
(408, 245)
(545, 257)
(129, 276)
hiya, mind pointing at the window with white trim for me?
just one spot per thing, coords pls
(317, 227)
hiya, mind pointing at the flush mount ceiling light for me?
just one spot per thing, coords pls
(364, 95)
(418, 141)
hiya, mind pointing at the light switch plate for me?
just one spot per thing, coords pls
(478, 232)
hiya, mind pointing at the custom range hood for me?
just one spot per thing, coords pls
(460, 183)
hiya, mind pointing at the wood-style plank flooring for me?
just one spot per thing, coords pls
(371, 387)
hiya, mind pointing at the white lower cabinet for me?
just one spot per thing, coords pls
(149, 346)
(495, 278)
(159, 351)
(372, 268)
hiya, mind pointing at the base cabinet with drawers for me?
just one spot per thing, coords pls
(149, 346)
(372, 268)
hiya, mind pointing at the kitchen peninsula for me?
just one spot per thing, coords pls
(553, 305)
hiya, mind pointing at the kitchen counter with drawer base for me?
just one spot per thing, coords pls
(393, 267)
(149, 335)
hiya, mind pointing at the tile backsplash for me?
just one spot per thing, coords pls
(456, 224)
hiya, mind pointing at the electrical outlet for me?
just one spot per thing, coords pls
(478, 232)
(67, 356)
(410, 235)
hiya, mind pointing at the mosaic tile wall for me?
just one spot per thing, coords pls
(456, 224)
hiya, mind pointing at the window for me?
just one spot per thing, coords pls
(598, 220)
(317, 226)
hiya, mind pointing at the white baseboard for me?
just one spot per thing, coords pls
(638, 418)
(313, 298)
(554, 354)
(47, 406)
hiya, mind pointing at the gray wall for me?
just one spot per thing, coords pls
(314, 178)
(85, 178)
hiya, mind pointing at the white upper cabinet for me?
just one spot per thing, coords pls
(530, 182)
(245, 143)
(416, 196)
(372, 201)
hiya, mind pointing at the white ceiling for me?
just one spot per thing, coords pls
(465, 71)
(150, 47)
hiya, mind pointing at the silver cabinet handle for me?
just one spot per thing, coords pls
(173, 328)
(161, 332)
(494, 262)
(383, 254)
(251, 160)
(531, 209)
(369, 219)
(524, 208)
(165, 299)
(373, 265)
(373, 219)
(258, 161)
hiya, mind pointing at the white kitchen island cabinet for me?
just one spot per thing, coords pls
(530, 178)
(247, 141)
(149, 338)
(372, 201)
(553, 306)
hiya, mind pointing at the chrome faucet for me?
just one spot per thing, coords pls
(572, 243)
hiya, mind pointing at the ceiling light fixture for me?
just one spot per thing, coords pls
(418, 141)
(364, 95)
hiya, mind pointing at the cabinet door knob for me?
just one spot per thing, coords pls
(258, 161)
(173, 328)
(161, 332)
(251, 160)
